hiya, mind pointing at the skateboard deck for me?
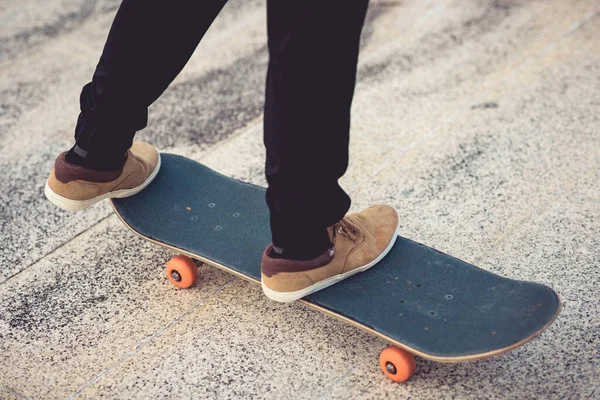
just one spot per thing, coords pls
(417, 298)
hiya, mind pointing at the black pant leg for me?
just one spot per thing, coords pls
(149, 43)
(313, 49)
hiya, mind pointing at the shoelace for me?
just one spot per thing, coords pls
(348, 228)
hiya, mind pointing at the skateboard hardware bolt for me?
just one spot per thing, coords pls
(176, 277)
(432, 313)
(449, 297)
(211, 205)
(218, 227)
(391, 368)
(194, 218)
(236, 214)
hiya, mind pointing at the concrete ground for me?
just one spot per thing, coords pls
(478, 120)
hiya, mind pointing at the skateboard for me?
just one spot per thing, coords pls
(420, 300)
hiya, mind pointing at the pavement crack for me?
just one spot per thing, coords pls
(151, 339)
(56, 248)
(13, 392)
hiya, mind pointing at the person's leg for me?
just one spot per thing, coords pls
(149, 43)
(313, 49)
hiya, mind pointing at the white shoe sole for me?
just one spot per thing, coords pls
(286, 297)
(78, 205)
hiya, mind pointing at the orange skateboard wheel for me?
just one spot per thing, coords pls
(182, 271)
(397, 364)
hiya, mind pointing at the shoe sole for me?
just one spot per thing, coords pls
(286, 297)
(78, 205)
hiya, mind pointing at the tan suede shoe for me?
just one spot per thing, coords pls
(360, 241)
(74, 188)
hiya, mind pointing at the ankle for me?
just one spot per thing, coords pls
(94, 161)
(304, 249)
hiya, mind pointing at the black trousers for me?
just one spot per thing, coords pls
(313, 52)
